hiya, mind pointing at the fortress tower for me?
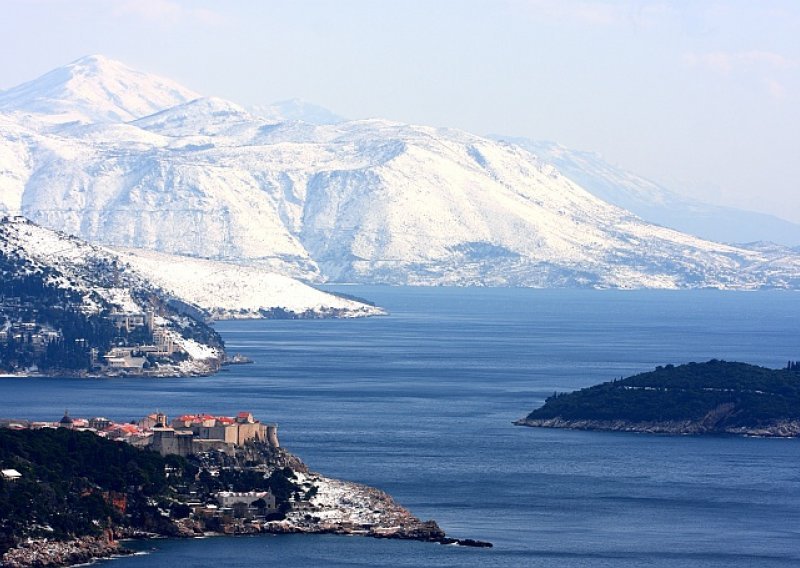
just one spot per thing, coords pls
(272, 435)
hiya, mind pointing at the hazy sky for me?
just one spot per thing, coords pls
(703, 96)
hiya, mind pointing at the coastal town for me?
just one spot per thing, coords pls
(219, 475)
(185, 435)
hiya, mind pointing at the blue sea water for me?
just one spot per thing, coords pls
(420, 404)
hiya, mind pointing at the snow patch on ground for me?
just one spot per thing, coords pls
(339, 503)
(197, 350)
(121, 298)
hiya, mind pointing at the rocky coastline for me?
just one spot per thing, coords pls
(338, 507)
(203, 369)
(783, 429)
(344, 507)
(45, 553)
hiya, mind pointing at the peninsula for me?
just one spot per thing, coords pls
(71, 489)
(716, 397)
(72, 309)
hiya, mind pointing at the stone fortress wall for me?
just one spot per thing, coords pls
(196, 433)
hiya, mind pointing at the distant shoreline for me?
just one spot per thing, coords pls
(786, 429)
(77, 375)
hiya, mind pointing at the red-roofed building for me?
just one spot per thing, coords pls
(149, 421)
(245, 417)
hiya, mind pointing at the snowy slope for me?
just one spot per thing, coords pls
(88, 269)
(658, 204)
(363, 201)
(106, 278)
(231, 291)
(17, 147)
(219, 117)
(296, 110)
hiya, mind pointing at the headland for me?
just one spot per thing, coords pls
(75, 487)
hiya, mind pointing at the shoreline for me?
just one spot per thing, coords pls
(80, 551)
(44, 553)
(71, 374)
(200, 367)
(336, 507)
(784, 430)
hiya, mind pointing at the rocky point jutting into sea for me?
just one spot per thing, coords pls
(194, 475)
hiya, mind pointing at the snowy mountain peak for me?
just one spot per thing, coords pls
(96, 64)
(94, 89)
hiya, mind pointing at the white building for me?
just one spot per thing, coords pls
(11, 474)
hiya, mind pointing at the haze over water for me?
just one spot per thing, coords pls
(420, 404)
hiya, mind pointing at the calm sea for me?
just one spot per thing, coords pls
(420, 404)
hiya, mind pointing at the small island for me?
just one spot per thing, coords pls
(715, 397)
(71, 490)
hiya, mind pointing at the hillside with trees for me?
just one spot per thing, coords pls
(67, 307)
(76, 484)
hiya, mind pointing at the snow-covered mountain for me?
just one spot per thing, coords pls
(658, 204)
(361, 201)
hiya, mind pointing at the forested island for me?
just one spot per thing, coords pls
(715, 397)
